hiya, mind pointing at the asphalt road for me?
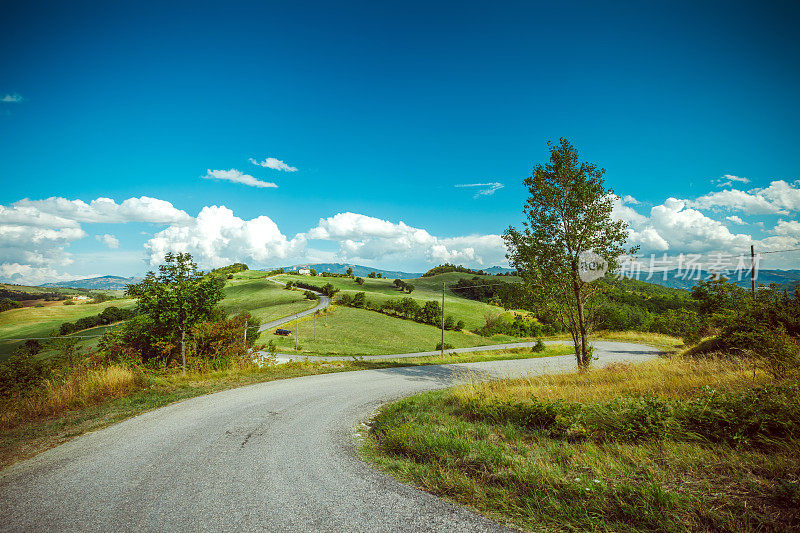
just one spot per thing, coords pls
(274, 456)
(324, 301)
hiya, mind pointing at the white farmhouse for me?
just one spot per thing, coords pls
(304, 272)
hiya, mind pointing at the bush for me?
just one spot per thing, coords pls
(446, 346)
(360, 281)
(538, 347)
(22, 373)
(69, 302)
(311, 295)
(8, 303)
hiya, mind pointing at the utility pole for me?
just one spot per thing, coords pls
(443, 318)
(296, 329)
(752, 272)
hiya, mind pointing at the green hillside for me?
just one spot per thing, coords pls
(349, 331)
(252, 291)
(379, 290)
(41, 321)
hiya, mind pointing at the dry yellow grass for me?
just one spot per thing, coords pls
(80, 389)
(674, 377)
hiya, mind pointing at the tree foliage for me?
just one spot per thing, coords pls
(175, 299)
(568, 212)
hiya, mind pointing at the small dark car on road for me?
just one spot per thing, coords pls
(283, 332)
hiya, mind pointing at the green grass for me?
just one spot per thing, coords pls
(557, 453)
(41, 321)
(348, 331)
(252, 291)
(379, 290)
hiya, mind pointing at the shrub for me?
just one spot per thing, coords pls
(311, 295)
(360, 281)
(538, 347)
(21, 373)
(69, 302)
(8, 303)
(446, 346)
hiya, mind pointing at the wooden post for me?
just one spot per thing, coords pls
(752, 272)
(443, 318)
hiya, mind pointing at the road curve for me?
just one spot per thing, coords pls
(274, 456)
(324, 301)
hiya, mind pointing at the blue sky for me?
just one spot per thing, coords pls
(384, 109)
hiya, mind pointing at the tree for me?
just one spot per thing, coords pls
(360, 281)
(349, 272)
(178, 297)
(312, 271)
(568, 212)
(371, 275)
(409, 288)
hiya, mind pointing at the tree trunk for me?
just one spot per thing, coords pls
(583, 355)
(183, 349)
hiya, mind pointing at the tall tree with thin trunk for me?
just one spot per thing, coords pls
(568, 212)
(178, 297)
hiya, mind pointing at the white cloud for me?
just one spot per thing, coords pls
(736, 220)
(737, 200)
(67, 213)
(789, 228)
(488, 189)
(727, 180)
(275, 164)
(109, 240)
(362, 237)
(628, 199)
(237, 177)
(12, 98)
(217, 237)
(782, 194)
(779, 198)
(29, 275)
(35, 235)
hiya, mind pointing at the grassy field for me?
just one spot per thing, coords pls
(41, 321)
(252, 291)
(669, 445)
(379, 290)
(349, 331)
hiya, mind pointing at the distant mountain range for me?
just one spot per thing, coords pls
(101, 283)
(786, 279)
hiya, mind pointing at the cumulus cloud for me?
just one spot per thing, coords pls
(12, 98)
(217, 237)
(30, 275)
(274, 164)
(363, 237)
(487, 189)
(628, 199)
(789, 228)
(237, 177)
(109, 240)
(67, 213)
(779, 198)
(727, 180)
(35, 235)
(735, 219)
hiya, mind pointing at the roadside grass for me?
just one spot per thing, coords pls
(607, 450)
(251, 291)
(94, 399)
(346, 331)
(29, 322)
(665, 343)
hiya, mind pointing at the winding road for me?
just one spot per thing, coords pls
(275, 456)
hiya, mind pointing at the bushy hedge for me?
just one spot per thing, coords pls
(8, 303)
(407, 308)
(327, 289)
(109, 315)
